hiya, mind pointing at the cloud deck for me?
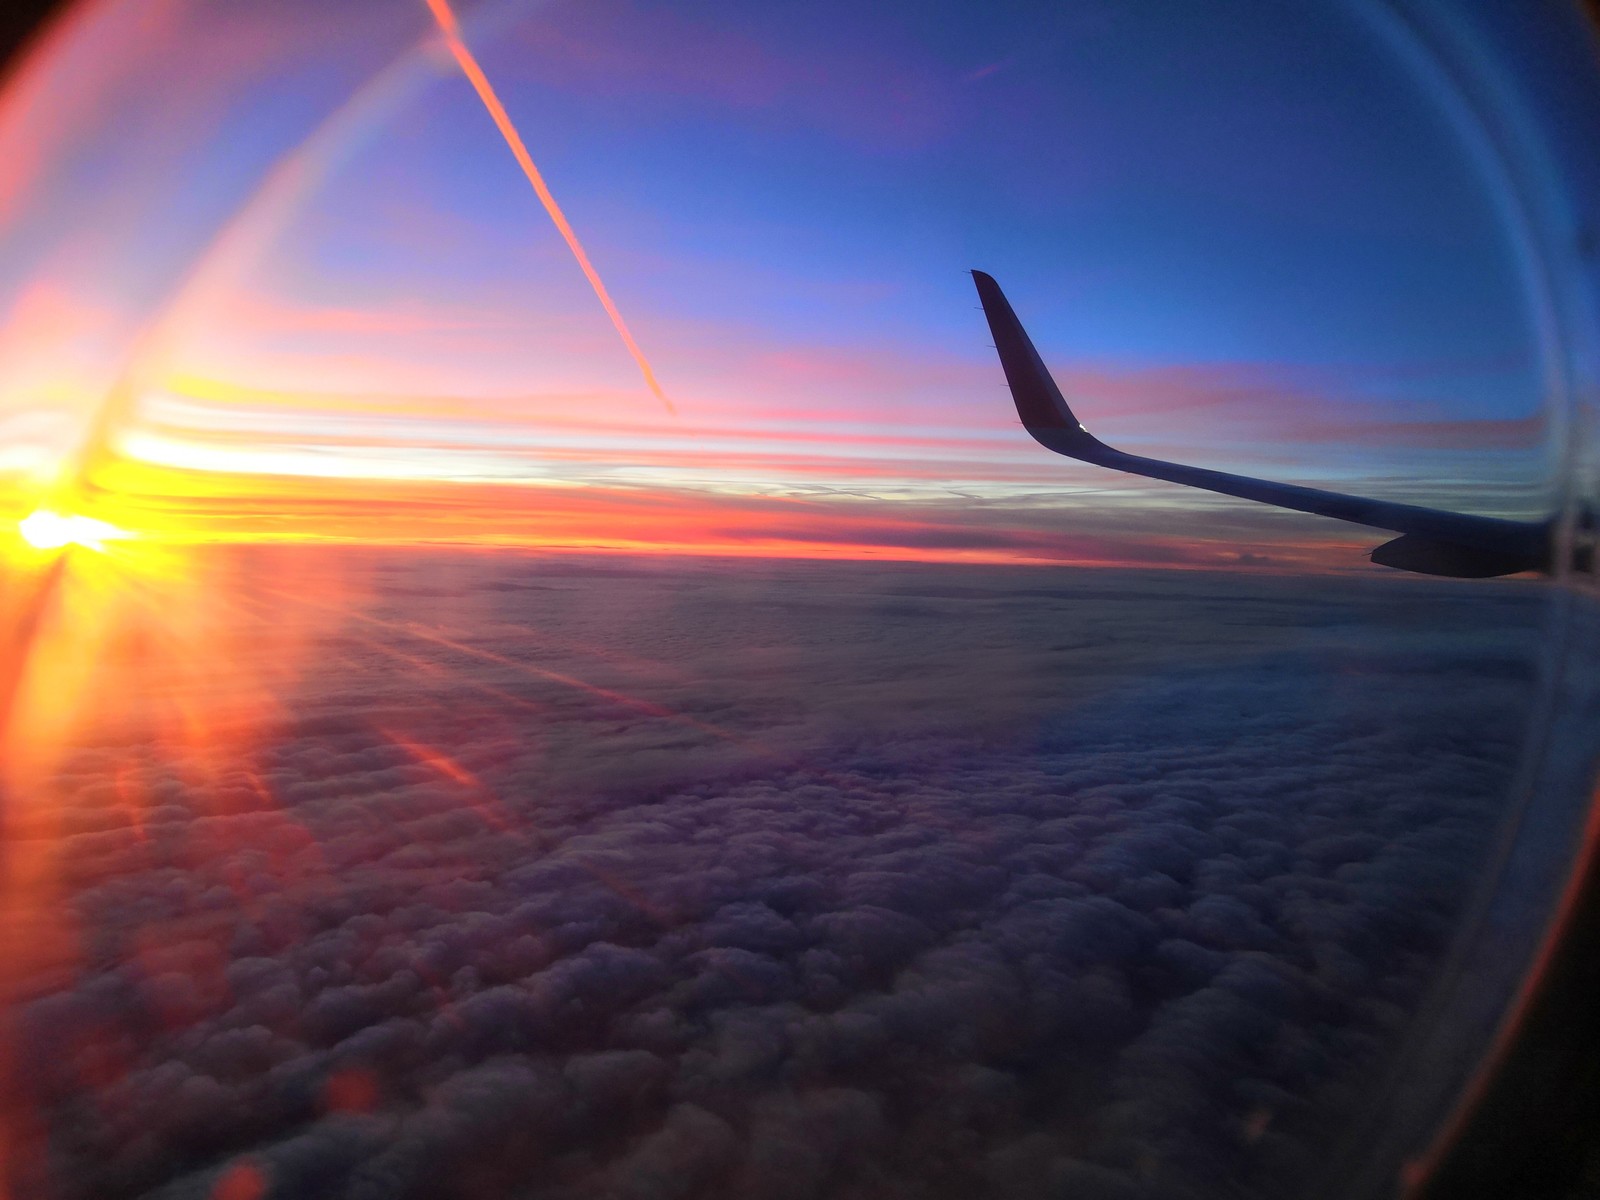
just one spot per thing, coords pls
(899, 912)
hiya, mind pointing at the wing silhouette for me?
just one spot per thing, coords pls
(1432, 541)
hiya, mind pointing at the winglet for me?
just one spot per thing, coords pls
(1040, 404)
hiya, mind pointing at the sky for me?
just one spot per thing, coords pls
(310, 292)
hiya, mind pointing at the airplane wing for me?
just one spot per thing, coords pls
(1432, 541)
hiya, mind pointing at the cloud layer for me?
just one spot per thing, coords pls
(1142, 942)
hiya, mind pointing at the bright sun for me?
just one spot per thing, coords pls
(46, 530)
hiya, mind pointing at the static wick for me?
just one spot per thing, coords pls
(446, 20)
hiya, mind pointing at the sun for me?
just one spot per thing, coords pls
(44, 529)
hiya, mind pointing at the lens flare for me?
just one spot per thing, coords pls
(44, 529)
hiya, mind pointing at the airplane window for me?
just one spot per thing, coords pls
(625, 599)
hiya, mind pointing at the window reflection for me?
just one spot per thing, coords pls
(436, 767)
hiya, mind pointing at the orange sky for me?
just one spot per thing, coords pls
(197, 507)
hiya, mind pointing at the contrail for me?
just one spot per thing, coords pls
(480, 83)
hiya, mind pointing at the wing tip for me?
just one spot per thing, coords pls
(1042, 409)
(988, 289)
